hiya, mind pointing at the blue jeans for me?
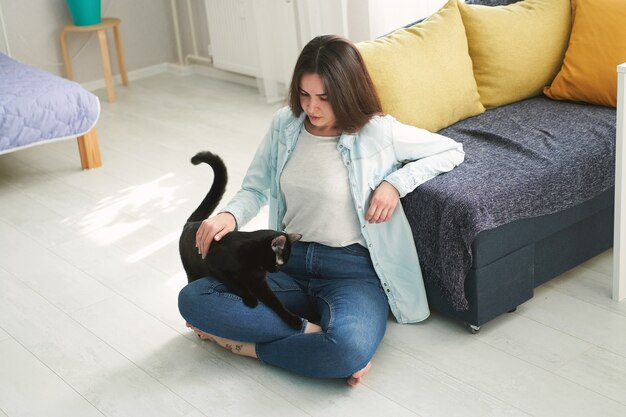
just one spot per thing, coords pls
(336, 288)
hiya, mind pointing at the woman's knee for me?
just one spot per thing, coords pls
(352, 352)
(190, 299)
(186, 298)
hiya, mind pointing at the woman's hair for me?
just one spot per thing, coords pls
(351, 92)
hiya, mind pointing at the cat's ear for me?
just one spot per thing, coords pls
(294, 237)
(278, 243)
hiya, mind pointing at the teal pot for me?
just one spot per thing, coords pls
(85, 12)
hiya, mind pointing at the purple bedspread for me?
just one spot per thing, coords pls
(38, 107)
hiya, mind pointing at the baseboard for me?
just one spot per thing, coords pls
(177, 69)
(132, 75)
(212, 72)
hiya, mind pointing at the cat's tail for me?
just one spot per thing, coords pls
(220, 178)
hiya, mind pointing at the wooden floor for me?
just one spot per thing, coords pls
(89, 275)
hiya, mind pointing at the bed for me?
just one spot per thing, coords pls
(37, 107)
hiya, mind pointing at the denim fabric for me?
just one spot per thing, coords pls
(337, 288)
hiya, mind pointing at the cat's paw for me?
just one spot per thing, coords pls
(251, 302)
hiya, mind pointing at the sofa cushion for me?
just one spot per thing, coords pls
(516, 49)
(423, 73)
(597, 45)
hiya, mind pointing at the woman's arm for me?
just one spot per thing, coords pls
(425, 155)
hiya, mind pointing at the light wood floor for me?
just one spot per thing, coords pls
(89, 275)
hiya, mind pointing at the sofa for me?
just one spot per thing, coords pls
(517, 83)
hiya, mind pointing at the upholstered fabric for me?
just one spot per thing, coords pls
(597, 45)
(423, 74)
(38, 107)
(522, 161)
(517, 49)
(492, 2)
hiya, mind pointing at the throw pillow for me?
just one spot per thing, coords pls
(597, 45)
(423, 73)
(516, 49)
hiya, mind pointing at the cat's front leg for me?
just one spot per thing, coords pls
(265, 294)
(246, 295)
(250, 301)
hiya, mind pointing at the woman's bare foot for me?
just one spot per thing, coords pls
(201, 334)
(240, 348)
(312, 328)
(356, 377)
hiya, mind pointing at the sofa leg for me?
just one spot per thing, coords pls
(472, 328)
(89, 150)
(513, 310)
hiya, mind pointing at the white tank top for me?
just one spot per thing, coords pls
(317, 193)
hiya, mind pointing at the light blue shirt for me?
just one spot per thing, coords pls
(384, 149)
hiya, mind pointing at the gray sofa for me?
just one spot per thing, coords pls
(533, 199)
(527, 204)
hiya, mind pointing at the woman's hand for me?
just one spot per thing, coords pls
(213, 228)
(383, 203)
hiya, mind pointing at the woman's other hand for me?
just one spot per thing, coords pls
(213, 228)
(383, 203)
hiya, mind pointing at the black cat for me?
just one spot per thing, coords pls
(241, 260)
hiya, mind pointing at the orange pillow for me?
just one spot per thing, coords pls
(597, 45)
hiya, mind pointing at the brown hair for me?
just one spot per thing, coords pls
(351, 92)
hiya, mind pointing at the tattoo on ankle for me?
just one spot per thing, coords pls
(236, 348)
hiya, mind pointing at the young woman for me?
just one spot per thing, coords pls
(333, 168)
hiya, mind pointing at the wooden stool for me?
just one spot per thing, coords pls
(107, 22)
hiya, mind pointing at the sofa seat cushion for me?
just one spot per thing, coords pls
(423, 73)
(527, 159)
(516, 49)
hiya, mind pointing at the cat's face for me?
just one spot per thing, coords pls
(281, 246)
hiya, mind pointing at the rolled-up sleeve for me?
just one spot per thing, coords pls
(255, 189)
(424, 155)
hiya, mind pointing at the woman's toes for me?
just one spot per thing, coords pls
(200, 333)
(356, 377)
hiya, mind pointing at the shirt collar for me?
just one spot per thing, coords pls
(295, 125)
(347, 140)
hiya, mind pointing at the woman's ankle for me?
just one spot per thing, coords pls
(239, 348)
(312, 328)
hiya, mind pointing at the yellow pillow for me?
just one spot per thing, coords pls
(597, 45)
(516, 49)
(423, 74)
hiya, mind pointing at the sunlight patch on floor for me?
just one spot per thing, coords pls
(153, 247)
(122, 214)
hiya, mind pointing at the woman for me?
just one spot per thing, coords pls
(333, 169)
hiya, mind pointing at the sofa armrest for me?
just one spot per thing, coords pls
(619, 242)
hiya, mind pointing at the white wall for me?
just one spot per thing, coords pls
(263, 38)
(357, 20)
(388, 15)
(33, 28)
(361, 20)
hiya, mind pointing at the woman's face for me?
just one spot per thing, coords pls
(314, 102)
